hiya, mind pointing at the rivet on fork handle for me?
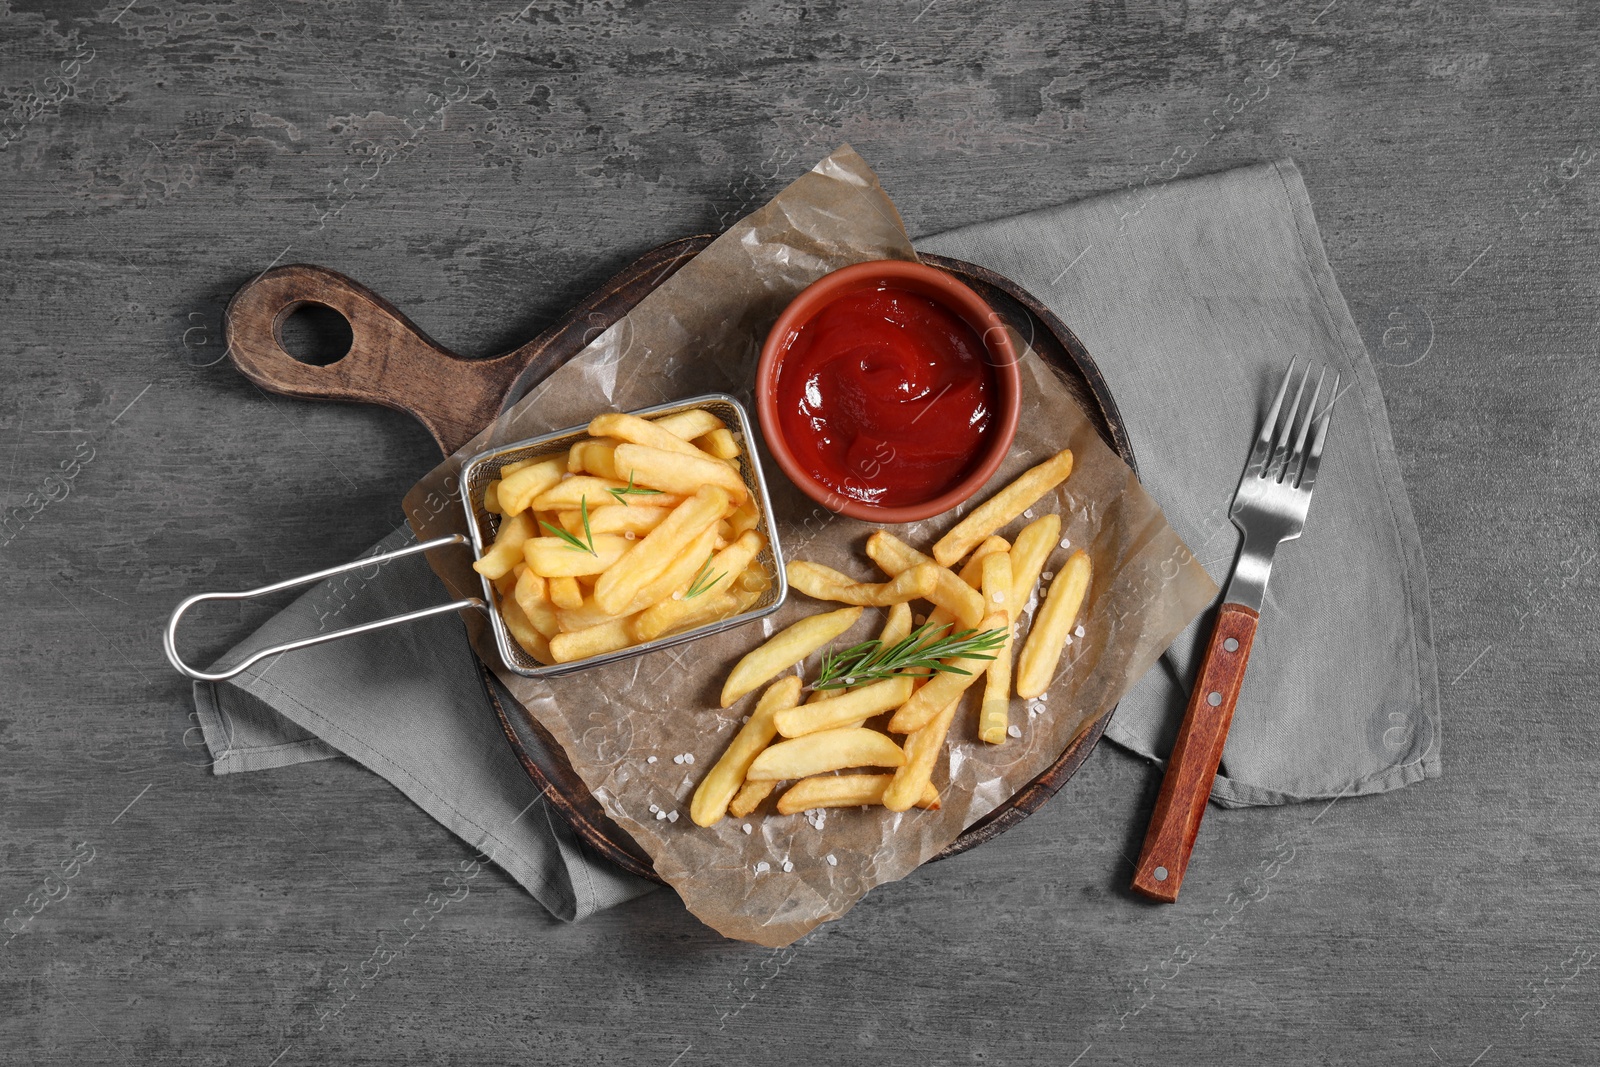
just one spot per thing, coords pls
(1195, 757)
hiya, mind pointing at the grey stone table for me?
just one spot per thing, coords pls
(157, 155)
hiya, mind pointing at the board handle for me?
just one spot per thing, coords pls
(1196, 755)
(390, 362)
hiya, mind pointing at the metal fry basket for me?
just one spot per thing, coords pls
(482, 525)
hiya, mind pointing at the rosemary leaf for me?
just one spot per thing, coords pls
(920, 653)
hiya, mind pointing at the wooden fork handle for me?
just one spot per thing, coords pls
(1195, 757)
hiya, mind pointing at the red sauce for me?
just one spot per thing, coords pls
(885, 396)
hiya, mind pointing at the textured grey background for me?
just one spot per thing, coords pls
(486, 168)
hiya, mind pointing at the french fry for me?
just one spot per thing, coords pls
(593, 641)
(617, 587)
(825, 583)
(754, 578)
(896, 628)
(749, 798)
(702, 611)
(612, 519)
(963, 602)
(718, 788)
(745, 517)
(564, 592)
(994, 713)
(673, 472)
(972, 571)
(511, 468)
(846, 709)
(944, 687)
(829, 750)
(506, 552)
(506, 584)
(593, 457)
(518, 489)
(554, 558)
(634, 430)
(1041, 653)
(523, 632)
(719, 443)
(914, 778)
(844, 791)
(1028, 556)
(1001, 508)
(581, 617)
(784, 649)
(569, 494)
(677, 576)
(532, 597)
(696, 422)
(491, 497)
(720, 572)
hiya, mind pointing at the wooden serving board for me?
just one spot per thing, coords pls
(393, 363)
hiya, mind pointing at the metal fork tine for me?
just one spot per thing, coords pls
(1280, 451)
(1258, 454)
(1292, 472)
(1314, 460)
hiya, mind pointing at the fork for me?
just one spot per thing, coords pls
(1269, 508)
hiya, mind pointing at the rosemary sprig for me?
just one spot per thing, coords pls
(623, 494)
(922, 650)
(703, 580)
(587, 544)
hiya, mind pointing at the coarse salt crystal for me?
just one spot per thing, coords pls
(1066, 543)
(688, 757)
(763, 867)
(998, 596)
(672, 816)
(833, 861)
(1028, 514)
(651, 759)
(629, 534)
(677, 759)
(1043, 697)
(660, 815)
(1047, 575)
(1014, 730)
(787, 866)
(654, 809)
(1068, 641)
(747, 828)
(1078, 632)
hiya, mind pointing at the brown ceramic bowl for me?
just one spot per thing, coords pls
(942, 289)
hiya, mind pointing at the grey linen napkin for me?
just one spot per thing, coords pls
(1191, 300)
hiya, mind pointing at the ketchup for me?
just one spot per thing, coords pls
(884, 396)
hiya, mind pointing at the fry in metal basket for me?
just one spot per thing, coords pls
(571, 493)
(634, 519)
(950, 592)
(722, 782)
(554, 557)
(944, 687)
(825, 583)
(506, 553)
(696, 422)
(830, 750)
(844, 791)
(702, 611)
(532, 597)
(923, 745)
(491, 497)
(719, 443)
(673, 472)
(617, 587)
(1028, 556)
(711, 582)
(1004, 506)
(523, 633)
(678, 575)
(994, 713)
(593, 457)
(634, 430)
(594, 641)
(564, 592)
(1042, 652)
(784, 649)
(847, 709)
(518, 488)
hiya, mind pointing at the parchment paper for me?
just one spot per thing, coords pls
(702, 331)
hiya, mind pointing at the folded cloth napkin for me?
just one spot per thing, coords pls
(1191, 301)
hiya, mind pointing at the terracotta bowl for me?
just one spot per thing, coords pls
(940, 287)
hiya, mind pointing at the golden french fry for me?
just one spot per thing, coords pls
(689, 424)
(825, 583)
(1041, 653)
(511, 468)
(634, 519)
(897, 627)
(994, 713)
(750, 796)
(944, 686)
(959, 599)
(594, 641)
(491, 497)
(745, 517)
(570, 494)
(617, 587)
(700, 611)
(784, 649)
(518, 489)
(1028, 556)
(719, 443)
(717, 789)
(523, 632)
(1004, 506)
(673, 472)
(845, 709)
(581, 617)
(507, 582)
(634, 430)
(593, 457)
(506, 552)
(972, 571)
(829, 750)
(719, 573)
(754, 578)
(678, 575)
(564, 592)
(555, 558)
(914, 778)
(845, 791)
(532, 597)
